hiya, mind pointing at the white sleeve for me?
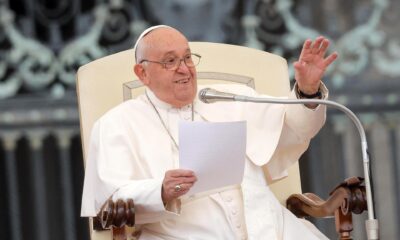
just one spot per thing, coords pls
(109, 171)
(301, 124)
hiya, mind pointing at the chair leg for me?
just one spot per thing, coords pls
(344, 224)
(119, 233)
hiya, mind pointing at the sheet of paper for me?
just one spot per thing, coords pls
(214, 151)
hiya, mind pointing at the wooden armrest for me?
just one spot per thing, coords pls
(115, 214)
(309, 204)
(349, 195)
(347, 198)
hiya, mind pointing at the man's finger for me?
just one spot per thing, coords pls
(306, 48)
(324, 46)
(330, 59)
(307, 44)
(184, 188)
(180, 173)
(172, 182)
(187, 179)
(316, 45)
(299, 67)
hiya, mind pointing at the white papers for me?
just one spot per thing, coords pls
(214, 151)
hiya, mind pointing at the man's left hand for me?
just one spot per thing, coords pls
(312, 64)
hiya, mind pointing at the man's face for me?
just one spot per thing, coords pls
(176, 87)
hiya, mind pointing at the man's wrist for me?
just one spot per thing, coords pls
(301, 94)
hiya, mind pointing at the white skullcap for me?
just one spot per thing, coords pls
(144, 33)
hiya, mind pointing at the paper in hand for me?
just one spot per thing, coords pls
(214, 151)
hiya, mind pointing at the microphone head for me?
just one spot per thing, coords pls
(209, 95)
(203, 95)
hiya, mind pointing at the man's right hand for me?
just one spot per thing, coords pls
(177, 177)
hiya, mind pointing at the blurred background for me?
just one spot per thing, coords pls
(43, 42)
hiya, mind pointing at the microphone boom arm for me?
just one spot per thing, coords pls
(209, 95)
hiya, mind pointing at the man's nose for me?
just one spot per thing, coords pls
(182, 67)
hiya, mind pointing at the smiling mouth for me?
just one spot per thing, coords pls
(182, 81)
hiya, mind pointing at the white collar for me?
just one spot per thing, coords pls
(163, 105)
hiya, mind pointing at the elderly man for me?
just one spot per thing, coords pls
(134, 148)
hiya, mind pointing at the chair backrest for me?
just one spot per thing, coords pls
(104, 83)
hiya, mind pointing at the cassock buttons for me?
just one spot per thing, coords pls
(234, 211)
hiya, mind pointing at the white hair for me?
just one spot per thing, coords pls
(144, 33)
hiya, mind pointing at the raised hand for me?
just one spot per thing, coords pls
(312, 64)
(176, 183)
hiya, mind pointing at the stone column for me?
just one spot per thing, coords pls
(11, 172)
(64, 137)
(35, 139)
(383, 170)
(396, 158)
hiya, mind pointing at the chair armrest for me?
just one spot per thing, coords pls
(349, 195)
(115, 214)
(347, 198)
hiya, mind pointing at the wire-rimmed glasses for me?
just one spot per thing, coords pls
(190, 60)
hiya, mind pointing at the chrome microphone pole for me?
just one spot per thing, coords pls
(372, 228)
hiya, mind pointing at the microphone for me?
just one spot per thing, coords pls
(209, 95)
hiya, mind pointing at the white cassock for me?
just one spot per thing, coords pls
(130, 151)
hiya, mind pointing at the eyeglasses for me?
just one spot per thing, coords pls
(190, 60)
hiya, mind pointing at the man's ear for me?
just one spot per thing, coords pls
(141, 73)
